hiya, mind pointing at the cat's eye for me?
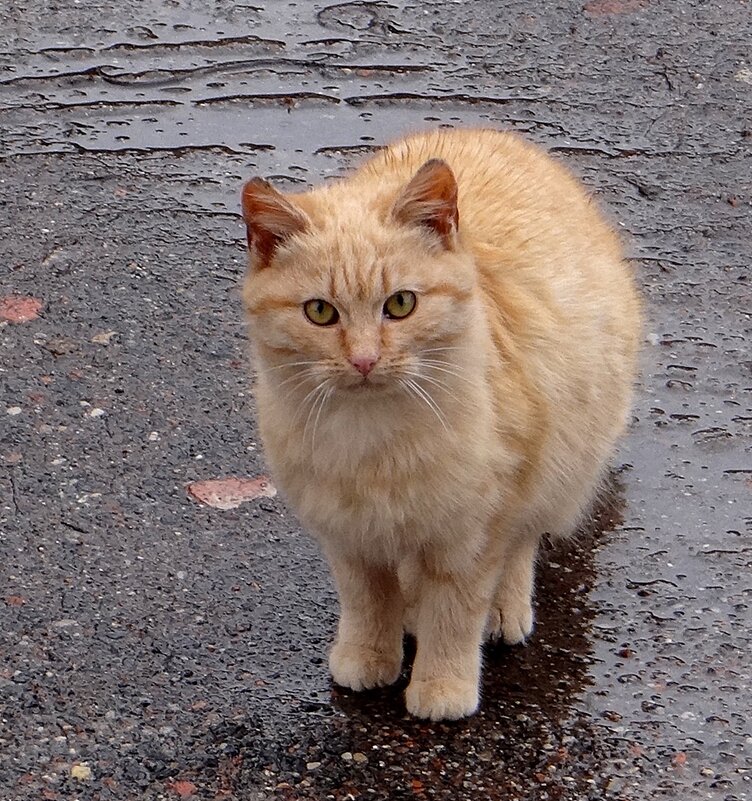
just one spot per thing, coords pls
(320, 312)
(400, 304)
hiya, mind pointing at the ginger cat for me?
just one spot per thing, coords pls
(445, 344)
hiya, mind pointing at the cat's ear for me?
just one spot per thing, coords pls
(430, 200)
(270, 219)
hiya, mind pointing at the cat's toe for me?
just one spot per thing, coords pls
(361, 668)
(513, 623)
(448, 698)
(492, 632)
(516, 621)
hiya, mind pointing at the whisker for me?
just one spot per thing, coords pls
(430, 401)
(429, 366)
(415, 391)
(304, 375)
(287, 364)
(437, 382)
(320, 393)
(302, 403)
(436, 350)
(422, 394)
(444, 362)
(326, 396)
(406, 387)
(301, 382)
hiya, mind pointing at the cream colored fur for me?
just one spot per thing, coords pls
(429, 503)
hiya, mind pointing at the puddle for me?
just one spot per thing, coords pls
(201, 83)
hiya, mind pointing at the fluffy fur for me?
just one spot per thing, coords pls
(491, 409)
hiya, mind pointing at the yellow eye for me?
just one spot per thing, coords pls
(320, 312)
(400, 304)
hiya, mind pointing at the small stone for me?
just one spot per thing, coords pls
(15, 600)
(81, 772)
(706, 771)
(14, 410)
(60, 346)
(103, 338)
(231, 492)
(96, 412)
(153, 436)
(183, 788)
(360, 758)
(312, 765)
(347, 756)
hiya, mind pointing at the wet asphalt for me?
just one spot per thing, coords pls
(153, 647)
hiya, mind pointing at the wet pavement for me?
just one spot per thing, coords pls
(154, 647)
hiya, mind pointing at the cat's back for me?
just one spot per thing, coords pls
(478, 156)
(511, 194)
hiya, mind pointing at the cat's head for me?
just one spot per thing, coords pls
(359, 285)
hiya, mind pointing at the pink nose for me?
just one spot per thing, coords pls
(363, 364)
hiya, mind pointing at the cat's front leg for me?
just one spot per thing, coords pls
(367, 651)
(451, 615)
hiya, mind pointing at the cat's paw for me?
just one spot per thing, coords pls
(512, 623)
(442, 699)
(361, 668)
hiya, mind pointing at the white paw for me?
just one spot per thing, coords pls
(512, 623)
(361, 668)
(442, 699)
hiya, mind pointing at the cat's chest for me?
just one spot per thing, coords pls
(383, 468)
(378, 484)
(379, 503)
(380, 441)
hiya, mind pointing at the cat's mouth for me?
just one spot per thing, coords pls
(365, 384)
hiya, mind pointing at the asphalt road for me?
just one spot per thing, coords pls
(152, 646)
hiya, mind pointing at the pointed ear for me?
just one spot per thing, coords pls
(430, 200)
(270, 219)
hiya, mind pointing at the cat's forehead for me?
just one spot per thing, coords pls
(356, 255)
(359, 270)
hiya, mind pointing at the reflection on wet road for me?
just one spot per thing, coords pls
(175, 650)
